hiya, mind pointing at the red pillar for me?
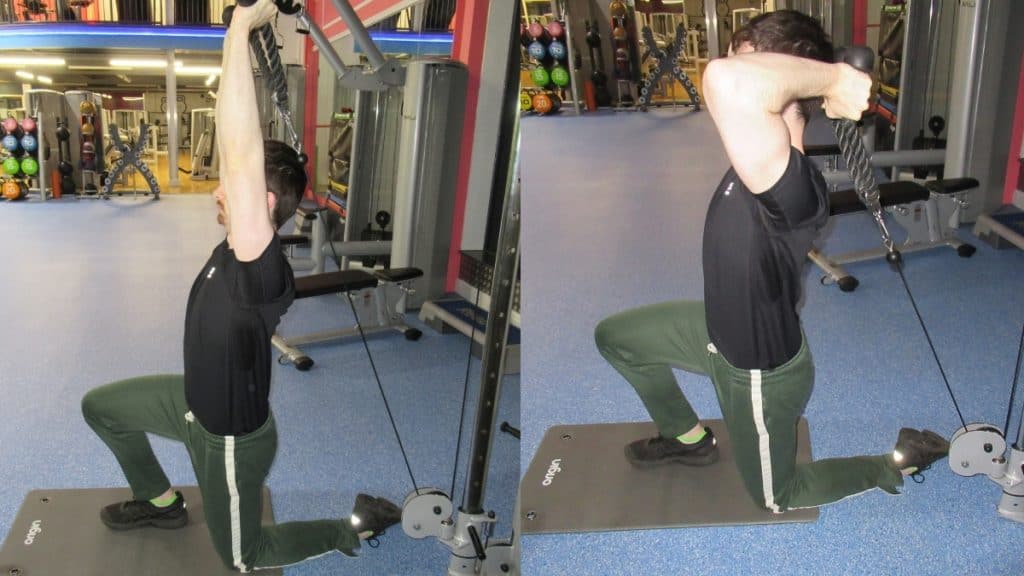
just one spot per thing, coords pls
(312, 63)
(468, 48)
(860, 22)
(1014, 164)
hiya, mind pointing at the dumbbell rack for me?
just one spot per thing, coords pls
(22, 157)
(569, 92)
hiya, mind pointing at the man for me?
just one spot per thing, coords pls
(746, 335)
(219, 408)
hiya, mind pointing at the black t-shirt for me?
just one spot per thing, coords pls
(755, 247)
(233, 309)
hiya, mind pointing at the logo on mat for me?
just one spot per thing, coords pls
(37, 527)
(555, 468)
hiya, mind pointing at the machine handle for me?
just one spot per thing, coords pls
(477, 545)
(860, 57)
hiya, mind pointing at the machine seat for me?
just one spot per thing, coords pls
(333, 283)
(889, 194)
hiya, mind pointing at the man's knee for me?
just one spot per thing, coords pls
(607, 337)
(92, 405)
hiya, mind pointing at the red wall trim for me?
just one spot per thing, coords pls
(860, 22)
(468, 48)
(312, 63)
(1013, 162)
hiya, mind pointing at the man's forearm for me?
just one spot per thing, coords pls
(238, 126)
(771, 80)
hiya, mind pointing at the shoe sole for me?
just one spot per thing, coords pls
(162, 523)
(706, 460)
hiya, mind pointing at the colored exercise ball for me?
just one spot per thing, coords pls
(621, 55)
(556, 29)
(557, 50)
(541, 103)
(88, 129)
(536, 30)
(617, 9)
(619, 34)
(87, 108)
(560, 76)
(10, 143)
(29, 124)
(12, 166)
(29, 166)
(525, 101)
(88, 149)
(11, 190)
(540, 76)
(10, 124)
(537, 51)
(29, 143)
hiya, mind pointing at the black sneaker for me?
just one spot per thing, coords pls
(373, 515)
(656, 451)
(138, 513)
(918, 449)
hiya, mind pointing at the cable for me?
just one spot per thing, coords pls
(380, 387)
(899, 268)
(1013, 387)
(465, 382)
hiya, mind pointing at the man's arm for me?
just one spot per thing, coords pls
(239, 140)
(747, 94)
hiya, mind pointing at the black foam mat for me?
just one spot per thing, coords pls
(580, 481)
(59, 533)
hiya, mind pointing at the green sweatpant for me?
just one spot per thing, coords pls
(761, 408)
(230, 471)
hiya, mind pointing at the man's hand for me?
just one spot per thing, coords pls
(253, 17)
(847, 97)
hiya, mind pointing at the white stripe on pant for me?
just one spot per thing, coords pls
(763, 441)
(236, 523)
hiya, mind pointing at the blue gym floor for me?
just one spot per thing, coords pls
(95, 291)
(613, 212)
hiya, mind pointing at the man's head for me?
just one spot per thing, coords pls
(786, 32)
(286, 183)
(286, 179)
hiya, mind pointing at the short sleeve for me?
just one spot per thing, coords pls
(800, 197)
(263, 280)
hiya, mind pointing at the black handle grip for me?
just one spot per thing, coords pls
(225, 17)
(860, 57)
(477, 545)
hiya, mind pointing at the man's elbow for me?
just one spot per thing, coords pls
(719, 82)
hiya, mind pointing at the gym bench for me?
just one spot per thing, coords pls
(367, 290)
(930, 215)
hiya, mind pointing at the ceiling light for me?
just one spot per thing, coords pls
(45, 79)
(31, 61)
(198, 71)
(211, 79)
(212, 94)
(99, 67)
(132, 98)
(107, 96)
(25, 75)
(143, 63)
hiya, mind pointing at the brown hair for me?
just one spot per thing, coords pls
(788, 32)
(286, 178)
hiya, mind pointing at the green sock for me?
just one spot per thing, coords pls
(693, 437)
(164, 502)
